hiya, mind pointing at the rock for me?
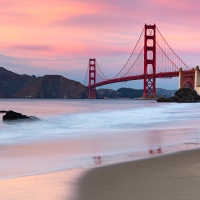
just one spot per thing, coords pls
(183, 95)
(187, 95)
(161, 99)
(3, 111)
(170, 99)
(11, 115)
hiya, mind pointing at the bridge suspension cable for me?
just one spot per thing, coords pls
(130, 55)
(86, 76)
(133, 63)
(167, 56)
(106, 78)
(172, 50)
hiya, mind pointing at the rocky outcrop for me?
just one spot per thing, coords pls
(11, 115)
(183, 95)
(13, 85)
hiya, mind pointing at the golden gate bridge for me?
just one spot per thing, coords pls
(151, 58)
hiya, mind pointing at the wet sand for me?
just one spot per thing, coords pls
(168, 177)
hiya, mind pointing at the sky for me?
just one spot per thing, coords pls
(59, 36)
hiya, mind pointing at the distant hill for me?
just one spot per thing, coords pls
(13, 85)
(130, 93)
(120, 93)
(108, 93)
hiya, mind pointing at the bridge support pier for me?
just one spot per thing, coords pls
(149, 61)
(189, 79)
(92, 94)
(197, 80)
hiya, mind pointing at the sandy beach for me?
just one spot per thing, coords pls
(171, 177)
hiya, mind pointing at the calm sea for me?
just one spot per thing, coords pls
(83, 133)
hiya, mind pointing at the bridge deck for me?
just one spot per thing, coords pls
(137, 77)
(140, 77)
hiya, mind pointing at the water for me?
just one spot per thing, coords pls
(83, 133)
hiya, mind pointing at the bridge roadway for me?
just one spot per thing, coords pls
(140, 77)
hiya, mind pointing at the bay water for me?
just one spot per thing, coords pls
(74, 134)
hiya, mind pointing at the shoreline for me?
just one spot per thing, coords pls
(32, 159)
(169, 176)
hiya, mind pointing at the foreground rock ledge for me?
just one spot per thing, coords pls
(11, 115)
(183, 95)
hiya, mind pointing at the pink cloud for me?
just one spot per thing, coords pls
(59, 32)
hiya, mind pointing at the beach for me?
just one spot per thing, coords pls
(51, 186)
(170, 177)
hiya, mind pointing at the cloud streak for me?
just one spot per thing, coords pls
(33, 47)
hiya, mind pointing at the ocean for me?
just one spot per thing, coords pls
(74, 134)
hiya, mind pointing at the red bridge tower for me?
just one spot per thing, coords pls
(149, 61)
(92, 79)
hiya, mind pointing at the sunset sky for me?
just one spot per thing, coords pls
(59, 36)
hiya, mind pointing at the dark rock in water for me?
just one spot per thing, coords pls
(183, 95)
(33, 118)
(170, 99)
(3, 111)
(11, 115)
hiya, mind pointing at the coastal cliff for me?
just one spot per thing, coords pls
(13, 85)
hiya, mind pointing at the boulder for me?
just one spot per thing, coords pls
(11, 115)
(170, 99)
(183, 95)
